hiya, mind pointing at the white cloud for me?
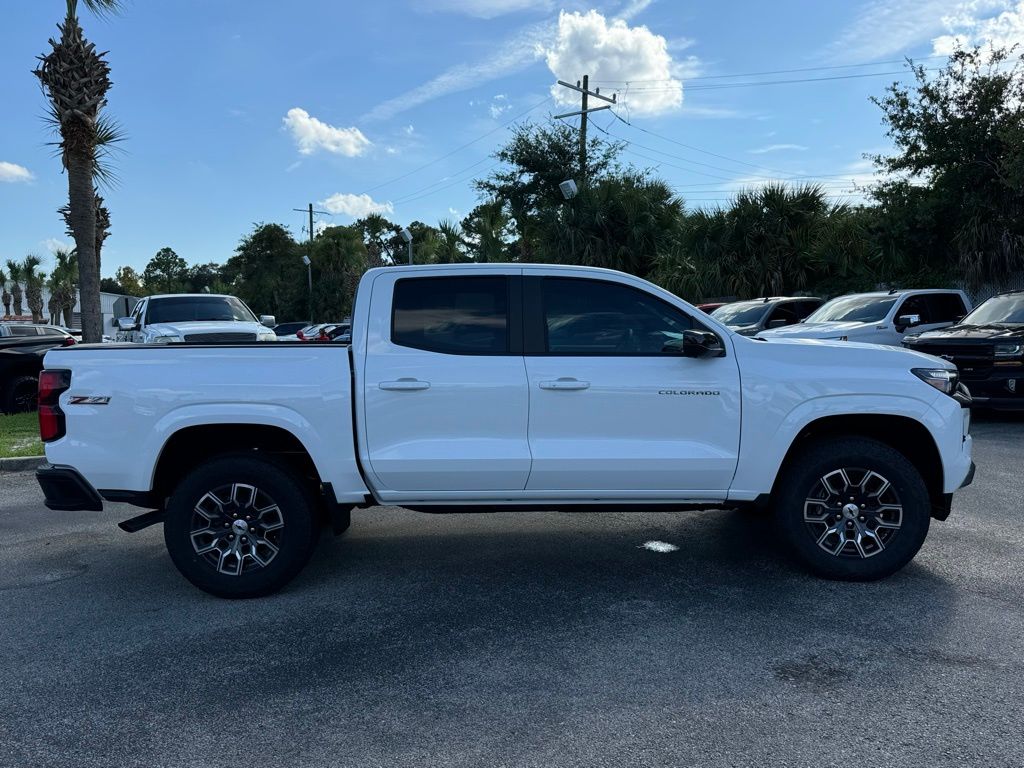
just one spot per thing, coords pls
(11, 172)
(311, 134)
(889, 27)
(968, 26)
(499, 105)
(633, 8)
(613, 52)
(778, 148)
(485, 9)
(52, 244)
(518, 52)
(356, 206)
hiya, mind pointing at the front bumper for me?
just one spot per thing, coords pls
(66, 490)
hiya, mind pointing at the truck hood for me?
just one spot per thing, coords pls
(817, 330)
(830, 352)
(206, 326)
(995, 332)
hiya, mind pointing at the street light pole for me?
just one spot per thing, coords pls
(309, 278)
(407, 236)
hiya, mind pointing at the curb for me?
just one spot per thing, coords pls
(22, 463)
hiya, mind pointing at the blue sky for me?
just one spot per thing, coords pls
(237, 112)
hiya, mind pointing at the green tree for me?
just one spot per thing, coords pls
(130, 282)
(6, 298)
(382, 237)
(268, 274)
(76, 78)
(14, 273)
(450, 245)
(33, 286)
(63, 286)
(487, 233)
(954, 196)
(340, 257)
(166, 272)
(539, 158)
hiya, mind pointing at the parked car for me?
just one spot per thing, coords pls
(12, 328)
(326, 332)
(21, 360)
(492, 386)
(199, 317)
(987, 348)
(751, 317)
(878, 318)
(287, 331)
(711, 306)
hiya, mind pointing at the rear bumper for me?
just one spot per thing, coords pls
(66, 490)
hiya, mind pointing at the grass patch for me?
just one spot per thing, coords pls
(19, 435)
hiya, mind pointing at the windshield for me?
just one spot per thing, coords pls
(741, 313)
(183, 309)
(853, 309)
(1001, 310)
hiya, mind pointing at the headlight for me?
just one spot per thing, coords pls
(943, 379)
(1003, 351)
(266, 337)
(166, 339)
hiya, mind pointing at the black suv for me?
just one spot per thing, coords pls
(751, 317)
(987, 347)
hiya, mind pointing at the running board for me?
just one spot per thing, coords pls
(144, 520)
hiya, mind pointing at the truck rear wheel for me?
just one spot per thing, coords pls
(852, 508)
(240, 526)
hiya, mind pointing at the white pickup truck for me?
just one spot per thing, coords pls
(204, 317)
(505, 387)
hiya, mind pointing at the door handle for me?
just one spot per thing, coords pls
(404, 385)
(565, 383)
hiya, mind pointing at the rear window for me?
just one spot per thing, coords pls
(452, 315)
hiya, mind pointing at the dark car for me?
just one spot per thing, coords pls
(290, 329)
(987, 347)
(751, 317)
(21, 359)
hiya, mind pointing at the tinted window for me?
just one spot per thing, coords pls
(23, 330)
(182, 309)
(804, 308)
(453, 315)
(784, 312)
(915, 305)
(591, 317)
(50, 332)
(945, 307)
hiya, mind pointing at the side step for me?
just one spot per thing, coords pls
(144, 520)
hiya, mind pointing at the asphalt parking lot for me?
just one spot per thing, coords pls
(519, 639)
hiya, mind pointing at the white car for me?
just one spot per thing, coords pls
(878, 318)
(195, 317)
(505, 386)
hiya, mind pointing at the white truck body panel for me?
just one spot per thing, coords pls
(451, 429)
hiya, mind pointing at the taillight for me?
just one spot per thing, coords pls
(52, 384)
(68, 341)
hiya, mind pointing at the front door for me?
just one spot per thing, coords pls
(609, 410)
(445, 386)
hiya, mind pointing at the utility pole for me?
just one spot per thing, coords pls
(584, 89)
(309, 259)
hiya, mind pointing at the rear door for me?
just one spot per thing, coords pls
(444, 385)
(609, 410)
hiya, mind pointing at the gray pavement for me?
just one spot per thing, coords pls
(519, 640)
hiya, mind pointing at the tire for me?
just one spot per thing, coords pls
(878, 522)
(21, 395)
(234, 499)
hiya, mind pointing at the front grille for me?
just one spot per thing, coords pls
(974, 361)
(213, 338)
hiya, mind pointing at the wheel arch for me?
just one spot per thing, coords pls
(902, 433)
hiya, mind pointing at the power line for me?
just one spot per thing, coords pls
(459, 148)
(779, 71)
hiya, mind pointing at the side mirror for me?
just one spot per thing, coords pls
(907, 321)
(268, 320)
(776, 323)
(126, 324)
(698, 344)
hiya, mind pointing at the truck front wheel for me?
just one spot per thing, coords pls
(852, 508)
(240, 526)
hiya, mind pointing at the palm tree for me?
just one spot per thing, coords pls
(63, 285)
(102, 225)
(14, 272)
(75, 78)
(33, 286)
(449, 245)
(6, 295)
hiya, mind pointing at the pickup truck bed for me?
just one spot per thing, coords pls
(472, 387)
